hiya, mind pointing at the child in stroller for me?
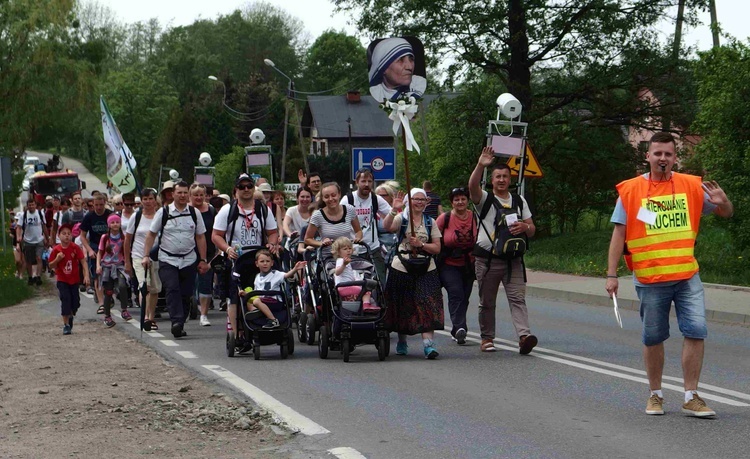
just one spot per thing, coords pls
(267, 279)
(342, 250)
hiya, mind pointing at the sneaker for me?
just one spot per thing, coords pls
(370, 308)
(125, 315)
(655, 405)
(487, 346)
(82, 288)
(430, 353)
(402, 348)
(205, 322)
(70, 322)
(90, 291)
(527, 343)
(272, 323)
(66, 329)
(109, 322)
(177, 330)
(461, 336)
(697, 407)
(223, 305)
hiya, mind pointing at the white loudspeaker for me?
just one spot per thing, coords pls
(204, 159)
(257, 136)
(174, 175)
(509, 106)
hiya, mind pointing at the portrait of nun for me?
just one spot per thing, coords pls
(396, 67)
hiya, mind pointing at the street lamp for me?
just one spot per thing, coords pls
(290, 88)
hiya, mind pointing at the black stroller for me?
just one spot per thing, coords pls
(248, 332)
(346, 324)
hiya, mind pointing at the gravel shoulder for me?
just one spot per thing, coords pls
(99, 393)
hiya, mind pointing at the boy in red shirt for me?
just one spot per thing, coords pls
(68, 256)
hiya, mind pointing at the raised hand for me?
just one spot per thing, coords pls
(398, 201)
(715, 194)
(487, 156)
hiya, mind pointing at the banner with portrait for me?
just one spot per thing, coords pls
(120, 161)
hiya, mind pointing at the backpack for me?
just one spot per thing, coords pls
(418, 265)
(373, 215)
(234, 213)
(23, 224)
(165, 217)
(505, 245)
(446, 252)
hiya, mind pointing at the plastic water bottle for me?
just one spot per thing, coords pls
(238, 249)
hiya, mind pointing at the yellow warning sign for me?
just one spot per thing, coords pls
(530, 169)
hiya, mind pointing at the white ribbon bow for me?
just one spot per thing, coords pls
(401, 113)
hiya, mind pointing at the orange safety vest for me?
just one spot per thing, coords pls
(664, 251)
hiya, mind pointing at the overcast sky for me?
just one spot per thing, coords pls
(318, 16)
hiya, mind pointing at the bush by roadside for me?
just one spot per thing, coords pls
(585, 254)
(14, 290)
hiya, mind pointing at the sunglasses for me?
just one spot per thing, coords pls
(128, 204)
(119, 204)
(459, 190)
(245, 187)
(419, 200)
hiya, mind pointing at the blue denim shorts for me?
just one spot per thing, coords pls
(690, 308)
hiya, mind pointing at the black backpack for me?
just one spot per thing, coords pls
(505, 245)
(234, 213)
(373, 216)
(165, 217)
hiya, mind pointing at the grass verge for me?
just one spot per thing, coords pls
(14, 290)
(585, 254)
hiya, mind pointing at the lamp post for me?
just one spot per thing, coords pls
(290, 88)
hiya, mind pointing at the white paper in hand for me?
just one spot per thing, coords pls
(510, 219)
(617, 310)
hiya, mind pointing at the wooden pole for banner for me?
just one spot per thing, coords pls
(408, 180)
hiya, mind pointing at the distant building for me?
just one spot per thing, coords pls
(332, 123)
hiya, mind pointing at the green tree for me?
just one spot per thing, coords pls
(724, 124)
(335, 61)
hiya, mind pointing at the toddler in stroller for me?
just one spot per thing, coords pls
(268, 279)
(342, 250)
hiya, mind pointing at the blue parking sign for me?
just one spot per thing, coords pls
(381, 161)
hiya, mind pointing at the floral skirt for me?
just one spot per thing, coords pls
(415, 303)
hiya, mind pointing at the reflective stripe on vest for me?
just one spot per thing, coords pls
(664, 251)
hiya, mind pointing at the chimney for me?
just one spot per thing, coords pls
(353, 97)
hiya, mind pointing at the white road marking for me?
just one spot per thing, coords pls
(282, 413)
(154, 334)
(187, 354)
(345, 452)
(169, 343)
(539, 353)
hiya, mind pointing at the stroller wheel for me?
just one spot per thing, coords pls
(284, 350)
(302, 328)
(311, 328)
(345, 349)
(231, 343)
(382, 349)
(323, 343)
(290, 341)
(256, 351)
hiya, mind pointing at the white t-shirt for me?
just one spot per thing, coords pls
(33, 233)
(178, 236)
(139, 234)
(126, 220)
(247, 227)
(297, 221)
(368, 222)
(347, 275)
(489, 220)
(272, 280)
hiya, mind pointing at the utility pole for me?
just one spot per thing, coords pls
(714, 22)
(286, 124)
(299, 131)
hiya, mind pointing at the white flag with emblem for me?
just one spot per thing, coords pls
(120, 161)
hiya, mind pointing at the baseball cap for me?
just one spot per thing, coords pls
(244, 178)
(168, 185)
(265, 187)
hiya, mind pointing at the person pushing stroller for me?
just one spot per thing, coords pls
(268, 279)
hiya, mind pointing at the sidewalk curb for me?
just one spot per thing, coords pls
(548, 293)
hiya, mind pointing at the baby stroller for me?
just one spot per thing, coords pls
(295, 286)
(248, 332)
(345, 322)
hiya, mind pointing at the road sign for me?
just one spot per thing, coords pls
(531, 167)
(382, 162)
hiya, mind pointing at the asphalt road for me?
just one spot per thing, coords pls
(581, 393)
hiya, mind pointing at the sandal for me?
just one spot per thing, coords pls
(154, 326)
(100, 310)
